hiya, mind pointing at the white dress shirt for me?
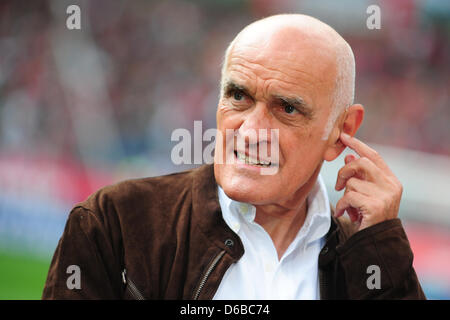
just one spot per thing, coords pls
(259, 274)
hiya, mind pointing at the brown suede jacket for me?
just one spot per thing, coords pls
(165, 238)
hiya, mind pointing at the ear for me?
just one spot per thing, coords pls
(349, 122)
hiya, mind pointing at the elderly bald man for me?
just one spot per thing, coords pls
(228, 231)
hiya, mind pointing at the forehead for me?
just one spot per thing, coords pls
(288, 55)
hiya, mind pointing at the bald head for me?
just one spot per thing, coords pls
(292, 37)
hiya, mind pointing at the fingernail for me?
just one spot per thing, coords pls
(345, 135)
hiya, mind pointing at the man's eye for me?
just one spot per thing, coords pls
(289, 109)
(238, 95)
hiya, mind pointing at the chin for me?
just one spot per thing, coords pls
(248, 188)
(243, 194)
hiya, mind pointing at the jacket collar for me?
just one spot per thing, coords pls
(208, 215)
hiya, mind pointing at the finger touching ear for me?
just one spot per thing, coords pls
(348, 123)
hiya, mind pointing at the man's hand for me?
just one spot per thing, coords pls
(372, 191)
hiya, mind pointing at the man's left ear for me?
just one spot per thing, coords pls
(348, 123)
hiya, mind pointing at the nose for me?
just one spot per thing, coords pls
(258, 118)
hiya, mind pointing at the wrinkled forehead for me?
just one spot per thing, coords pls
(287, 49)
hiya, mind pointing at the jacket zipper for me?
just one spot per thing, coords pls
(131, 287)
(210, 268)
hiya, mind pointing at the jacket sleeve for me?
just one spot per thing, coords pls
(84, 265)
(377, 264)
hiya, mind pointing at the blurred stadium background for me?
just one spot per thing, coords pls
(80, 109)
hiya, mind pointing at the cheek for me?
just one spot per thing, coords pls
(294, 140)
(219, 115)
(228, 119)
(301, 147)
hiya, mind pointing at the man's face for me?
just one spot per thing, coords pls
(283, 83)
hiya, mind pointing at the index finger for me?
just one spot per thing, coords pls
(363, 150)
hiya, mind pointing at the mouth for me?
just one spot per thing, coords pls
(244, 158)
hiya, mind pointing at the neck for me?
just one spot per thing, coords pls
(283, 221)
(282, 228)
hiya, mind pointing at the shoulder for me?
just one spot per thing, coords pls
(138, 196)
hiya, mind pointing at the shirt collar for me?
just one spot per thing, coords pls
(316, 225)
(233, 211)
(318, 218)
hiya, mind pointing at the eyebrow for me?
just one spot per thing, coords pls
(295, 101)
(231, 86)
